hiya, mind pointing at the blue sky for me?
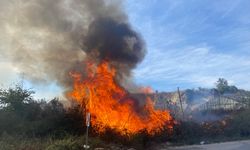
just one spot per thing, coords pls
(192, 43)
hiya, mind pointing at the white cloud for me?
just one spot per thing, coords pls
(196, 66)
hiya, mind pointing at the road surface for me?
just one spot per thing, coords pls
(235, 145)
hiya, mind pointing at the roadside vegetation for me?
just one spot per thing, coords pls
(30, 124)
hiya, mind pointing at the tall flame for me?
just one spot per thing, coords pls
(112, 107)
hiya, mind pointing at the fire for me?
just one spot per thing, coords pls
(111, 106)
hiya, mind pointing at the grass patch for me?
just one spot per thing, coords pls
(68, 142)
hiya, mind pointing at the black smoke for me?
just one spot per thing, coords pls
(114, 41)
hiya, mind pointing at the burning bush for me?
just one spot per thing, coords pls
(112, 107)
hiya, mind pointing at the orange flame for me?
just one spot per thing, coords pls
(112, 107)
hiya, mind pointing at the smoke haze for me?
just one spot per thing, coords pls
(46, 39)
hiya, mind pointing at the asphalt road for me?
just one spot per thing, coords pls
(235, 145)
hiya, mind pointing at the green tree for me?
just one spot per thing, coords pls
(222, 85)
(14, 99)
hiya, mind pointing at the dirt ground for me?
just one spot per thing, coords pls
(235, 145)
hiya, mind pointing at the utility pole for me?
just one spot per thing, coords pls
(180, 102)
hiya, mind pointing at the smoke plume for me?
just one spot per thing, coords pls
(46, 39)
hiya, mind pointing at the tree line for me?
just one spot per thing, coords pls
(21, 114)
